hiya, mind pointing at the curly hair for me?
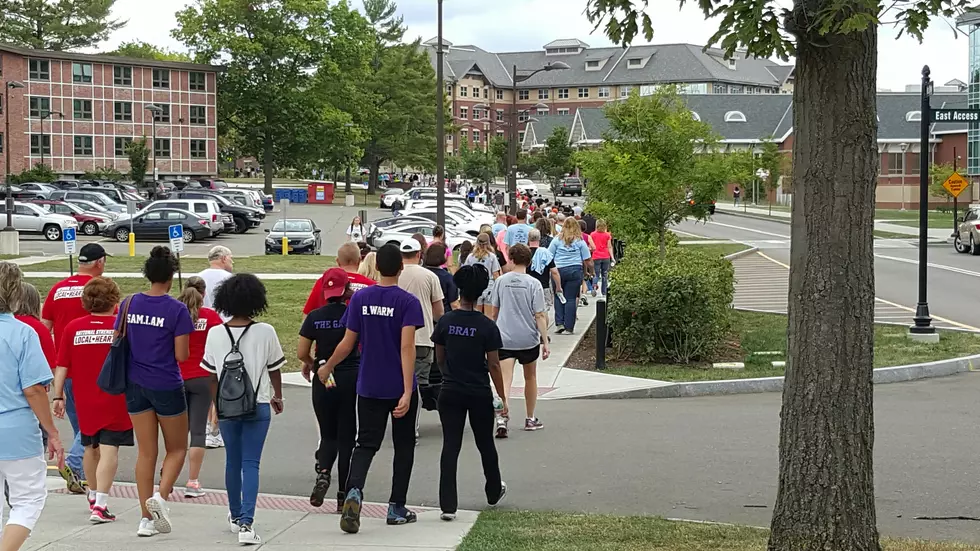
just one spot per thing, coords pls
(10, 289)
(161, 265)
(471, 280)
(241, 296)
(100, 295)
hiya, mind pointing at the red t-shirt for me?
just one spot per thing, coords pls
(315, 300)
(191, 368)
(601, 241)
(64, 303)
(83, 350)
(47, 343)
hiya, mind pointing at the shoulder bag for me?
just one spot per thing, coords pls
(113, 377)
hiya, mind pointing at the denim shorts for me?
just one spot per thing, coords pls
(165, 403)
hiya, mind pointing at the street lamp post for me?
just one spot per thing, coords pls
(440, 124)
(922, 328)
(6, 135)
(347, 189)
(47, 115)
(512, 150)
(154, 110)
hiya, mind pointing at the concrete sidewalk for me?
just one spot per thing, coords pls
(286, 523)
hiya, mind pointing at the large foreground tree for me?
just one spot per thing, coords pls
(57, 24)
(825, 499)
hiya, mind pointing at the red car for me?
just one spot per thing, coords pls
(89, 223)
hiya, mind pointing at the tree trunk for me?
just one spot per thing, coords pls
(375, 166)
(825, 500)
(662, 238)
(267, 165)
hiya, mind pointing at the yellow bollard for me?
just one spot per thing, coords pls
(132, 244)
(285, 246)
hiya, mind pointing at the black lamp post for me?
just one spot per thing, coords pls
(47, 115)
(922, 328)
(154, 110)
(512, 150)
(6, 146)
(440, 124)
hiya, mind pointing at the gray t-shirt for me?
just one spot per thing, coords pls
(518, 297)
(490, 262)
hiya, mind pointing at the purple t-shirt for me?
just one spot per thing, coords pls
(153, 323)
(378, 314)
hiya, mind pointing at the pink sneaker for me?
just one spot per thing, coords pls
(193, 489)
(101, 515)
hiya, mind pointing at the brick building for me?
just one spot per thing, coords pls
(79, 111)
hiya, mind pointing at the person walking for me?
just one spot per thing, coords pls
(736, 195)
(434, 256)
(517, 305)
(439, 236)
(543, 269)
(158, 329)
(589, 283)
(24, 376)
(349, 260)
(355, 232)
(221, 265)
(29, 312)
(256, 348)
(602, 254)
(545, 230)
(102, 418)
(334, 405)
(500, 224)
(383, 319)
(467, 345)
(197, 382)
(485, 255)
(573, 260)
(62, 305)
(518, 231)
(369, 267)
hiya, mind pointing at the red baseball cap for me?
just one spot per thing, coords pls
(334, 283)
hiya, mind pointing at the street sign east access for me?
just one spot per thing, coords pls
(955, 115)
(955, 184)
(68, 236)
(176, 233)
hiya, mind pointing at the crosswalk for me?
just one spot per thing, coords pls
(762, 284)
(880, 244)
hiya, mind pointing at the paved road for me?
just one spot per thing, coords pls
(700, 458)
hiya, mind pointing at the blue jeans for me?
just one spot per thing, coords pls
(74, 457)
(602, 272)
(571, 281)
(244, 440)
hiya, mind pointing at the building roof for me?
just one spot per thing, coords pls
(658, 64)
(106, 59)
(540, 129)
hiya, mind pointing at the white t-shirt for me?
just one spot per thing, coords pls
(356, 233)
(213, 277)
(260, 348)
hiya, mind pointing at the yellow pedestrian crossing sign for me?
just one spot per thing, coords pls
(955, 184)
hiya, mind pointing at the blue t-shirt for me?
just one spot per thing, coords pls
(377, 314)
(498, 227)
(569, 255)
(22, 365)
(518, 233)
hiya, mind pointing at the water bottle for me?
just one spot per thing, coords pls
(561, 297)
(498, 405)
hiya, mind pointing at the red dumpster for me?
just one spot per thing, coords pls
(320, 193)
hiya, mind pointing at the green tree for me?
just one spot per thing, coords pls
(139, 160)
(476, 165)
(498, 150)
(825, 496)
(647, 176)
(557, 161)
(529, 164)
(57, 24)
(145, 50)
(389, 28)
(103, 173)
(268, 51)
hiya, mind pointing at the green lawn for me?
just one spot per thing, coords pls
(10, 256)
(252, 264)
(723, 249)
(543, 531)
(911, 217)
(892, 235)
(759, 332)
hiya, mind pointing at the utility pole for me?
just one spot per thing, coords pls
(440, 125)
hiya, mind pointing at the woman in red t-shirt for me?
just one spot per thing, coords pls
(197, 382)
(28, 311)
(602, 240)
(102, 418)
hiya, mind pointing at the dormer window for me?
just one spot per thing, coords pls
(634, 62)
(592, 64)
(913, 116)
(734, 116)
(731, 64)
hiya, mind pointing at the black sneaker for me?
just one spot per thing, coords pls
(320, 489)
(350, 516)
(340, 502)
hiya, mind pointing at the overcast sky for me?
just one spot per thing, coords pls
(514, 25)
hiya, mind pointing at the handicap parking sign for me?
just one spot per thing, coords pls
(176, 233)
(68, 236)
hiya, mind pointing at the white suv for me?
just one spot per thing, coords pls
(201, 207)
(30, 218)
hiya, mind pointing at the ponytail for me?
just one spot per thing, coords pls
(193, 296)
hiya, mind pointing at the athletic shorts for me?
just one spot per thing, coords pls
(109, 438)
(165, 403)
(523, 357)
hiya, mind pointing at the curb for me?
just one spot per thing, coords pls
(740, 254)
(787, 222)
(881, 376)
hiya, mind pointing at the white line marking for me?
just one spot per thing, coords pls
(748, 229)
(953, 269)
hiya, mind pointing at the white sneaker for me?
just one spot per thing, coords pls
(160, 512)
(233, 524)
(247, 536)
(146, 528)
(212, 441)
(448, 516)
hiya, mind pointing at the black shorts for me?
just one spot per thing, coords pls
(523, 357)
(109, 438)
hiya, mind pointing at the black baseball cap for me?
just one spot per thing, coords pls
(91, 253)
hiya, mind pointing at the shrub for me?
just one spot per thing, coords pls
(40, 173)
(674, 310)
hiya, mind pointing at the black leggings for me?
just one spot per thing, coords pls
(453, 408)
(373, 415)
(198, 392)
(336, 412)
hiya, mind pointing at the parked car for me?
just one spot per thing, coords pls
(399, 231)
(527, 187)
(96, 197)
(388, 197)
(65, 184)
(93, 208)
(212, 183)
(570, 186)
(243, 218)
(154, 224)
(251, 197)
(267, 202)
(397, 219)
(88, 223)
(967, 237)
(122, 197)
(204, 208)
(31, 218)
(455, 220)
(43, 191)
(302, 234)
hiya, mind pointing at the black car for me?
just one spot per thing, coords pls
(570, 186)
(245, 217)
(302, 235)
(155, 224)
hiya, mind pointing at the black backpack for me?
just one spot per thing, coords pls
(236, 397)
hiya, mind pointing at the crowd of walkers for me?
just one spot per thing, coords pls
(201, 370)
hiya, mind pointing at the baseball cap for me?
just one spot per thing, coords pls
(334, 283)
(91, 253)
(410, 245)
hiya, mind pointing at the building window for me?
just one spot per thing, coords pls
(83, 146)
(463, 91)
(542, 93)
(563, 111)
(164, 114)
(476, 136)
(1, 142)
(500, 93)
(39, 69)
(197, 81)
(39, 106)
(36, 144)
(122, 75)
(563, 93)
(122, 111)
(912, 164)
(520, 137)
(523, 94)
(122, 144)
(464, 137)
(500, 115)
(522, 117)
(603, 91)
(464, 112)
(82, 109)
(199, 149)
(486, 92)
(476, 114)
(542, 111)
(735, 89)
(583, 92)
(161, 147)
(895, 164)
(719, 88)
(198, 114)
(624, 91)
(81, 72)
(592, 64)
(161, 78)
